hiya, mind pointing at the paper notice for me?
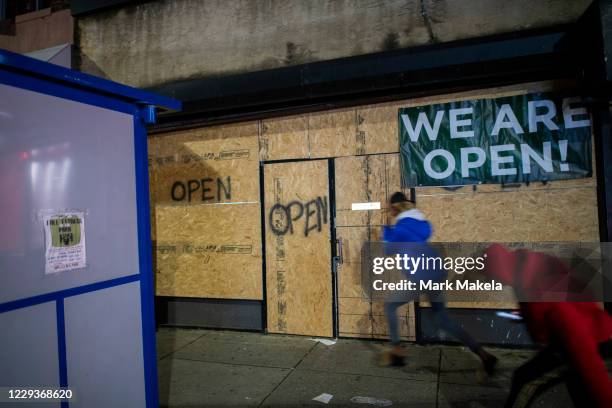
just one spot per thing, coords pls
(64, 241)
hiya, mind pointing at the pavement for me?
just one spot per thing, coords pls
(208, 368)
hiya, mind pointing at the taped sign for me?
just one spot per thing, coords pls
(64, 241)
(505, 140)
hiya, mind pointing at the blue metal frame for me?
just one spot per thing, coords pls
(146, 264)
(65, 293)
(74, 79)
(61, 347)
(27, 73)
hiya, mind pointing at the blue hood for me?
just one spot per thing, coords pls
(411, 226)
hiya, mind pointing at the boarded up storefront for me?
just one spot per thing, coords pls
(205, 213)
(210, 211)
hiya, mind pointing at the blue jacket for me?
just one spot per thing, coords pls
(410, 226)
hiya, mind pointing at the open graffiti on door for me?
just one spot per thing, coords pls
(283, 218)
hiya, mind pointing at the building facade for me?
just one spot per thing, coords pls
(291, 116)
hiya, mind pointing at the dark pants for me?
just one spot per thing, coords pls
(440, 315)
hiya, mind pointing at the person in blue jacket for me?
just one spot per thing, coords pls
(411, 227)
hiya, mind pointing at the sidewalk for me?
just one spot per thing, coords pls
(204, 368)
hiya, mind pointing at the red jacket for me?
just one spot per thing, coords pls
(578, 327)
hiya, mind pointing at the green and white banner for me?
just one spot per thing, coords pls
(516, 139)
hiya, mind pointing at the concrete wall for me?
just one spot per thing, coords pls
(166, 40)
(38, 30)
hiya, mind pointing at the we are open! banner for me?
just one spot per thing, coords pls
(533, 137)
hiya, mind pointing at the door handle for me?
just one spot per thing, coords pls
(339, 251)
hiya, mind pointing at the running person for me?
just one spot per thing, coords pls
(410, 225)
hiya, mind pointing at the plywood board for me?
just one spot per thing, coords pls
(392, 168)
(380, 327)
(362, 179)
(523, 214)
(207, 165)
(353, 238)
(298, 250)
(351, 218)
(205, 212)
(375, 327)
(378, 124)
(334, 134)
(284, 138)
(358, 325)
(202, 251)
(349, 281)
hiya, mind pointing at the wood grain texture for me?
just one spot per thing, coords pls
(207, 240)
(363, 179)
(284, 138)
(334, 133)
(204, 252)
(298, 267)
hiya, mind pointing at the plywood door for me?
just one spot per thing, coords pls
(298, 250)
(370, 178)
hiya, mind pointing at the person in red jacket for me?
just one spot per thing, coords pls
(573, 332)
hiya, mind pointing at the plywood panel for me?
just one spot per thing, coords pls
(350, 218)
(353, 238)
(298, 251)
(350, 181)
(365, 326)
(392, 168)
(205, 212)
(378, 124)
(204, 251)
(284, 138)
(407, 310)
(380, 327)
(529, 213)
(356, 305)
(355, 325)
(334, 134)
(573, 214)
(349, 281)
(362, 179)
(207, 165)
